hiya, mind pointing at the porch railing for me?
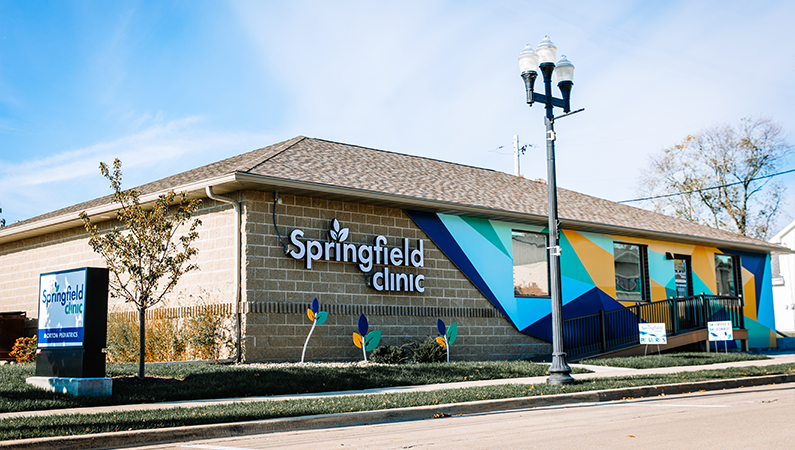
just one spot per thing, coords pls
(612, 330)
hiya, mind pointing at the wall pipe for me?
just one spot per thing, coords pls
(238, 322)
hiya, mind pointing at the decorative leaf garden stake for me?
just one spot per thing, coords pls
(364, 340)
(448, 335)
(317, 318)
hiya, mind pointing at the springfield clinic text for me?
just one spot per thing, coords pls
(70, 299)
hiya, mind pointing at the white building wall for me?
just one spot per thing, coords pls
(784, 281)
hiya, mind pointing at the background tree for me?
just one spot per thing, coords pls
(145, 262)
(722, 176)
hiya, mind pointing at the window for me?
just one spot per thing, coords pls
(530, 267)
(726, 275)
(683, 276)
(631, 272)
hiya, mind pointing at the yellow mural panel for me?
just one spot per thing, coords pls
(656, 246)
(657, 291)
(703, 259)
(749, 294)
(597, 261)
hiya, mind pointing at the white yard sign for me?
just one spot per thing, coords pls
(720, 331)
(652, 333)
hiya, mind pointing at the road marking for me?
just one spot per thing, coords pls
(212, 447)
(673, 405)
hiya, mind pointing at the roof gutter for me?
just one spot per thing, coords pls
(238, 265)
(458, 208)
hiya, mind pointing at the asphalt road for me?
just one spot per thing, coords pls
(746, 418)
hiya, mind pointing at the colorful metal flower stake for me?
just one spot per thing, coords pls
(364, 340)
(317, 318)
(448, 335)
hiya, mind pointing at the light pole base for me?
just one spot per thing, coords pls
(560, 378)
(559, 371)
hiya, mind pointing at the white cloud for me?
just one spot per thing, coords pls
(35, 187)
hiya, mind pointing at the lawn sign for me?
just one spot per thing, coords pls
(317, 318)
(448, 335)
(364, 340)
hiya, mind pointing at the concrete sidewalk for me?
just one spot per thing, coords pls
(598, 372)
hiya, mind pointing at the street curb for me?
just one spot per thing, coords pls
(225, 430)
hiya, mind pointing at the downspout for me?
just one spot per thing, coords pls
(238, 321)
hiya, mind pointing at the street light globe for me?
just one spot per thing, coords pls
(528, 60)
(564, 70)
(546, 51)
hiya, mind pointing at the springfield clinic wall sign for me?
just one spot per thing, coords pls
(62, 304)
(366, 256)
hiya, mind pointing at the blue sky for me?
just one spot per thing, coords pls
(171, 85)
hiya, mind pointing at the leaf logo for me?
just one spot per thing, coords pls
(317, 317)
(448, 335)
(336, 233)
(56, 286)
(366, 341)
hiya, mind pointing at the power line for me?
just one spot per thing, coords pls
(705, 189)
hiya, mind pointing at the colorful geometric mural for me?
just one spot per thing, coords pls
(482, 250)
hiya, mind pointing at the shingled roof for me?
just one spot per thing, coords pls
(313, 166)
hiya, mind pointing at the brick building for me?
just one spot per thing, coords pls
(404, 240)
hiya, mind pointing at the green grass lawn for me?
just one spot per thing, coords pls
(194, 381)
(62, 425)
(673, 360)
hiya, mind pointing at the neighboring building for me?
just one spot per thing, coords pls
(404, 240)
(783, 268)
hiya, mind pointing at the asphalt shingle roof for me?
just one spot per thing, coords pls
(334, 164)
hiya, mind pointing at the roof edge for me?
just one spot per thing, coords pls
(449, 207)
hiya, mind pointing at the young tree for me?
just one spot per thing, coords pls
(721, 177)
(145, 262)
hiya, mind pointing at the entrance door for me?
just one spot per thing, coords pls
(683, 276)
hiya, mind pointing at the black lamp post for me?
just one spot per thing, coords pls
(529, 62)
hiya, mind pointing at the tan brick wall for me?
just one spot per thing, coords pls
(275, 283)
(21, 262)
(277, 289)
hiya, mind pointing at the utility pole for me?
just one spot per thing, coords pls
(516, 155)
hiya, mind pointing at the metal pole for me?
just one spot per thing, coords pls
(516, 154)
(559, 371)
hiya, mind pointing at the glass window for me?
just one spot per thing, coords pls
(530, 268)
(682, 276)
(724, 275)
(630, 272)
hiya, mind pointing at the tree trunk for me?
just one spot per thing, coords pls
(141, 341)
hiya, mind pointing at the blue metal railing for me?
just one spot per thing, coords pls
(612, 330)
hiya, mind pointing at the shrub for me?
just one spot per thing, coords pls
(24, 349)
(172, 334)
(427, 351)
(207, 335)
(390, 354)
(122, 337)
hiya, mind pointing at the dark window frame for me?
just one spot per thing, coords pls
(689, 264)
(645, 288)
(549, 278)
(737, 274)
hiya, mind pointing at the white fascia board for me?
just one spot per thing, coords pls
(457, 208)
(72, 220)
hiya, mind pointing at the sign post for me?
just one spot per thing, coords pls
(73, 314)
(720, 331)
(652, 333)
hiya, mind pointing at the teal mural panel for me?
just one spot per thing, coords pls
(661, 270)
(483, 250)
(764, 296)
(758, 334)
(572, 267)
(699, 287)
